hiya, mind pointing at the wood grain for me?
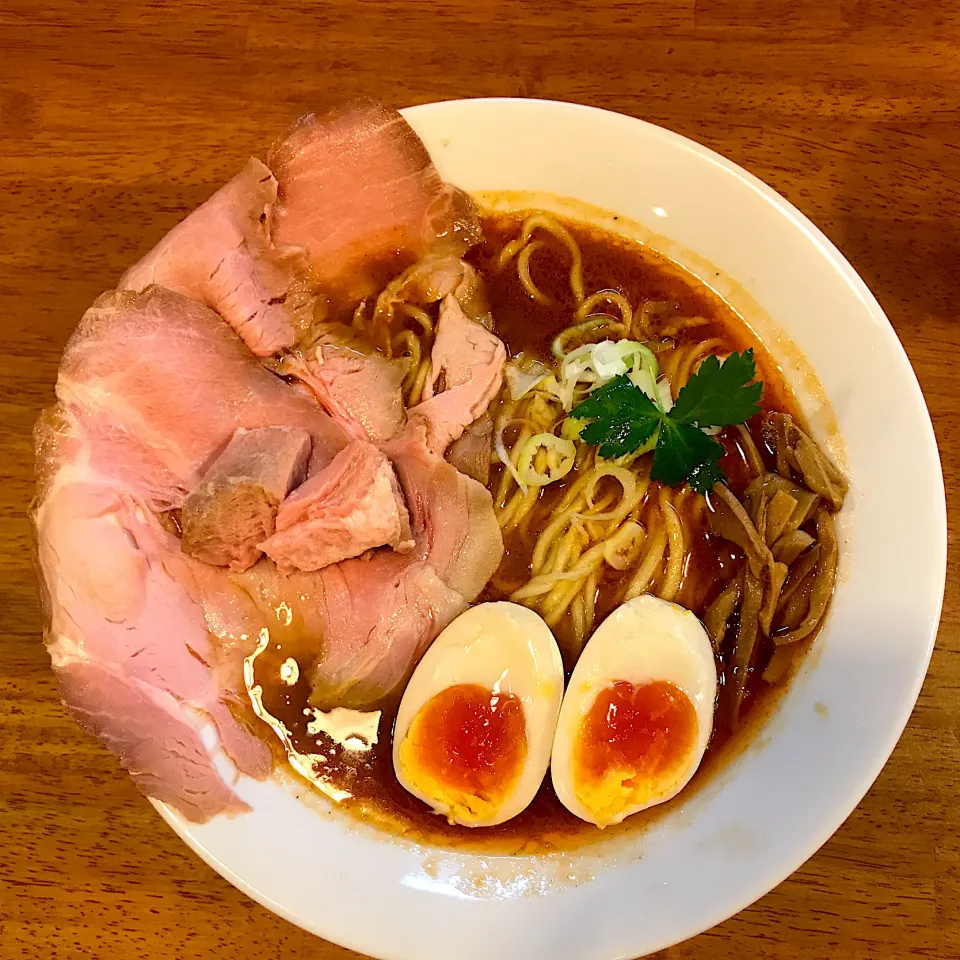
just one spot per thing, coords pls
(117, 117)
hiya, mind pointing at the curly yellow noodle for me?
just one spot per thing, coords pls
(559, 599)
(575, 491)
(509, 506)
(523, 270)
(590, 598)
(597, 529)
(420, 381)
(699, 509)
(407, 344)
(544, 556)
(568, 549)
(673, 573)
(547, 540)
(418, 314)
(650, 316)
(669, 362)
(521, 507)
(564, 551)
(578, 618)
(542, 221)
(587, 563)
(554, 605)
(695, 354)
(682, 323)
(561, 576)
(562, 547)
(649, 561)
(588, 306)
(543, 584)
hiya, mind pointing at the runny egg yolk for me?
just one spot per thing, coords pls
(465, 748)
(634, 745)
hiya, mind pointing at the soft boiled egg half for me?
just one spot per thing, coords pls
(637, 714)
(476, 722)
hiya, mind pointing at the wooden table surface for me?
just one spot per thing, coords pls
(116, 118)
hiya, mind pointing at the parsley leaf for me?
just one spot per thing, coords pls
(717, 395)
(680, 450)
(623, 418)
(704, 477)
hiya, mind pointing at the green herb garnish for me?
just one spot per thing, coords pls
(624, 418)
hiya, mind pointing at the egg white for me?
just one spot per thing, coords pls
(644, 640)
(499, 646)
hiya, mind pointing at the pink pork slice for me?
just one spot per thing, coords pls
(467, 364)
(381, 615)
(351, 506)
(374, 617)
(158, 383)
(358, 191)
(154, 383)
(472, 452)
(222, 255)
(130, 647)
(235, 507)
(362, 392)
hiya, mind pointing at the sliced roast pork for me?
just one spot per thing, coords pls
(131, 650)
(381, 614)
(360, 390)
(349, 507)
(235, 506)
(164, 406)
(451, 515)
(159, 383)
(466, 374)
(359, 193)
(431, 279)
(373, 617)
(427, 281)
(223, 256)
(472, 452)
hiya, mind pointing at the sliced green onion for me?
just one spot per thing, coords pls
(657, 390)
(665, 395)
(643, 380)
(561, 454)
(577, 362)
(612, 359)
(597, 363)
(644, 358)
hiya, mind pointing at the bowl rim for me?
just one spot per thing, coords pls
(361, 940)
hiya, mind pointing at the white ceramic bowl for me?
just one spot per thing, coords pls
(813, 762)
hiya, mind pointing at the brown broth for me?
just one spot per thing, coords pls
(609, 261)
